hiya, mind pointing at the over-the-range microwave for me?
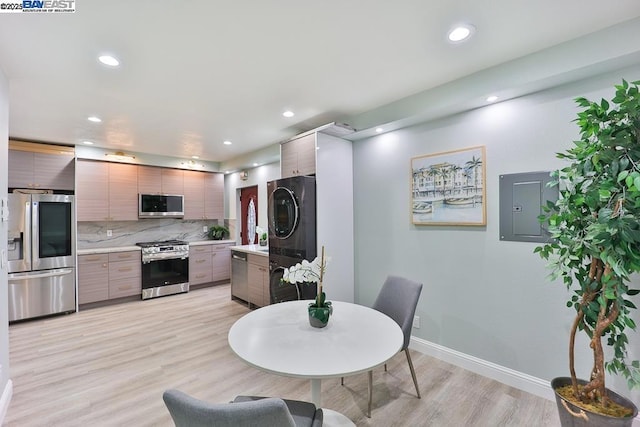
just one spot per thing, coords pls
(161, 206)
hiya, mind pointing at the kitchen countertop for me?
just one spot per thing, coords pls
(211, 242)
(110, 249)
(252, 249)
(92, 251)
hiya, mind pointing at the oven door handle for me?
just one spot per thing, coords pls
(161, 258)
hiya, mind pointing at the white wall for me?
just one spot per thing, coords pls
(482, 297)
(257, 176)
(5, 384)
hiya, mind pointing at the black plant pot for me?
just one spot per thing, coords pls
(574, 416)
(319, 316)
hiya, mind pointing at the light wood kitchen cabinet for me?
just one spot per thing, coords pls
(92, 190)
(107, 276)
(123, 195)
(298, 157)
(106, 191)
(149, 180)
(42, 171)
(125, 274)
(209, 263)
(200, 268)
(221, 262)
(213, 196)
(258, 278)
(172, 181)
(203, 195)
(157, 180)
(93, 282)
(193, 195)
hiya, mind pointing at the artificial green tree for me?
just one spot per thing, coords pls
(596, 229)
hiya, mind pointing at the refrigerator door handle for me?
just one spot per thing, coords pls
(27, 235)
(39, 275)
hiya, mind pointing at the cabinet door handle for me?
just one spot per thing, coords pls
(124, 288)
(199, 261)
(95, 258)
(125, 269)
(200, 276)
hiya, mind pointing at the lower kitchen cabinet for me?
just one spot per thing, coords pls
(209, 263)
(200, 269)
(108, 276)
(93, 278)
(125, 274)
(258, 278)
(221, 262)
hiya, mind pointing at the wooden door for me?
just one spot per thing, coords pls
(246, 196)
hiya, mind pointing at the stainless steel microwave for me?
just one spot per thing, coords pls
(161, 206)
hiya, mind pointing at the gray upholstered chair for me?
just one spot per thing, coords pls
(398, 299)
(244, 411)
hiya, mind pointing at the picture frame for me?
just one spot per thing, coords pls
(449, 188)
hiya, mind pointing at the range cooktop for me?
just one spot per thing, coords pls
(162, 243)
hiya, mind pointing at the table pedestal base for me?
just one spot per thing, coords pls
(335, 419)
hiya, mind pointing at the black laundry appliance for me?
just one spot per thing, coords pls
(292, 217)
(282, 291)
(292, 233)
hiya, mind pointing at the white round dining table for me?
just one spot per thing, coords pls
(279, 339)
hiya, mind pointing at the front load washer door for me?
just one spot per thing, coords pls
(283, 213)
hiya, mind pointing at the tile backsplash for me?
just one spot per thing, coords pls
(127, 233)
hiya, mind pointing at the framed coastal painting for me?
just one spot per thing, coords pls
(448, 188)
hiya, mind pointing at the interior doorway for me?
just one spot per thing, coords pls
(249, 215)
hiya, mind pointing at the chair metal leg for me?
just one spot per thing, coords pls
(413, 372)
(341, 380)
(370, 392)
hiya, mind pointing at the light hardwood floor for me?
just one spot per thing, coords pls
(109, 366)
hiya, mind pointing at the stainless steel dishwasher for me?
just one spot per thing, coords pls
(239, 281)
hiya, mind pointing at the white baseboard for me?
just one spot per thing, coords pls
(507, 376)
(5, 399)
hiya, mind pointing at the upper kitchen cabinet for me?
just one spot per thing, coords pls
(41, 167)
(156, 180)
(213, 196)
(106, 191)
(298, 156)
(203, 195)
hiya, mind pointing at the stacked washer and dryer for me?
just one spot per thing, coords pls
(292, 233)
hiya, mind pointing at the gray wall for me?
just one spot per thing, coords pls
(482, 297)
(4, 319)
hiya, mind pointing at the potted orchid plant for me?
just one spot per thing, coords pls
(262, 236)
(312, 272)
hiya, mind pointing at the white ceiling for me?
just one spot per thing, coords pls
(195, 73)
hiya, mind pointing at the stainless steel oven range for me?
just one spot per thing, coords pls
(165, 268)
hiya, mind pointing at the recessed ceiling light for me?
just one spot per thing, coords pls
(255, 164)
(460, 33)
(195, 157)
(87, 142)
(109, 60)
(379, 130)
(288, 113)
(492, 98)
(227, 142)
(94, 119)
(226, 171)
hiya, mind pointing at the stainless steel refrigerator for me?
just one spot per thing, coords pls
(42, 254)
